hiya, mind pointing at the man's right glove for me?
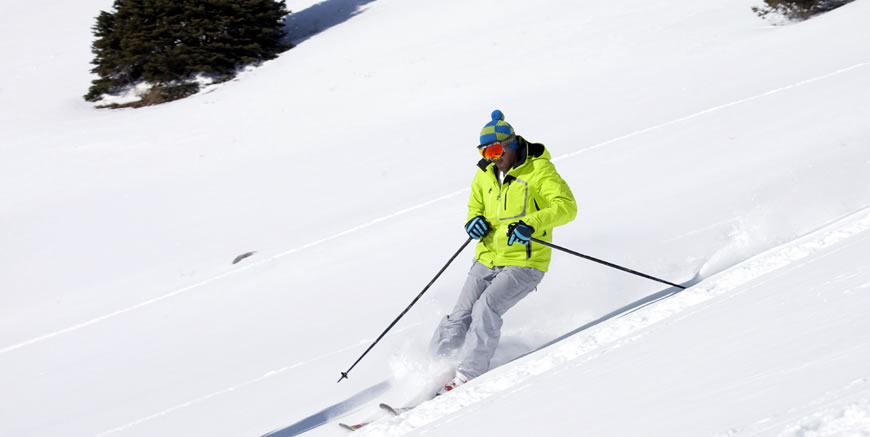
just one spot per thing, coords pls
(477, 227)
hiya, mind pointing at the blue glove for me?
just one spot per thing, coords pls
(519, 233)
(477, 227)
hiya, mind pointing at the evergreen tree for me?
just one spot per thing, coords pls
(167, 42)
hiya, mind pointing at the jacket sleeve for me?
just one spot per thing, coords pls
(475, 200)
(561, 207)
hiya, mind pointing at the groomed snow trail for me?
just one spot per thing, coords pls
(589, 344)
(396, 214)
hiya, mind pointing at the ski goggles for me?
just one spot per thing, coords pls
(495, 149)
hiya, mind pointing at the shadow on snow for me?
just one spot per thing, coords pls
(316, 18)
(361, 398)
(621, 312)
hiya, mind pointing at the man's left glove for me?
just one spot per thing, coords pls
(519, 232)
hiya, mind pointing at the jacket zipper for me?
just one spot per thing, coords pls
(498, 212)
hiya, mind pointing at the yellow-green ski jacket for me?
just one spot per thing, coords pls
(532, 192)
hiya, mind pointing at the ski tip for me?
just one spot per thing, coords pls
(395, 411)
(351, 427)
(388, 409)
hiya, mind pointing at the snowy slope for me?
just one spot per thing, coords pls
(693, 136)
(760, 349)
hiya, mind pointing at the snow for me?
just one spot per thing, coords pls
(852, 419)
(755, 375)
(702, 144)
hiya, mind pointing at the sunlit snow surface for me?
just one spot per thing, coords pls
(702, 144)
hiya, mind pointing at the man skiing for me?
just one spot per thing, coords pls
(516, 194)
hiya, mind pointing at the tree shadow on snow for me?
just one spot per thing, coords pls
(316, 18)
(621, 312)
(332, 412)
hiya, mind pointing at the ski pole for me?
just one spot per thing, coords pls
(608, 264)
(344, 374)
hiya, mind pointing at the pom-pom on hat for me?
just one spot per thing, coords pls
(497, 130)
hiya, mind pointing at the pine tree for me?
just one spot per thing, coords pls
(167, 42)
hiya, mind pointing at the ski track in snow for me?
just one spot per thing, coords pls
(265, 376)
(227, 274)
(233, 272)
(599, 340)
(224, 391)
(716, 109)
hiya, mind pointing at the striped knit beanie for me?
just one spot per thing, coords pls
(498, 130)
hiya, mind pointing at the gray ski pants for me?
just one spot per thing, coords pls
(474, 326)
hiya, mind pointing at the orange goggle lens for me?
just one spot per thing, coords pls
(491, 151)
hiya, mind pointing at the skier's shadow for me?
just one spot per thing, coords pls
(330, 413)
(316, 18)
(621, 312)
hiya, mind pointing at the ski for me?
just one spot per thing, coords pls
(353, 427)
(392, 411)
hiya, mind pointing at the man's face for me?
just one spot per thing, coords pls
(506, 157)
(507, 160)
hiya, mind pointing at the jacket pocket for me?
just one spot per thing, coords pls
(515, 200)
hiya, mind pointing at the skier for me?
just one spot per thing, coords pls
(516, 194)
